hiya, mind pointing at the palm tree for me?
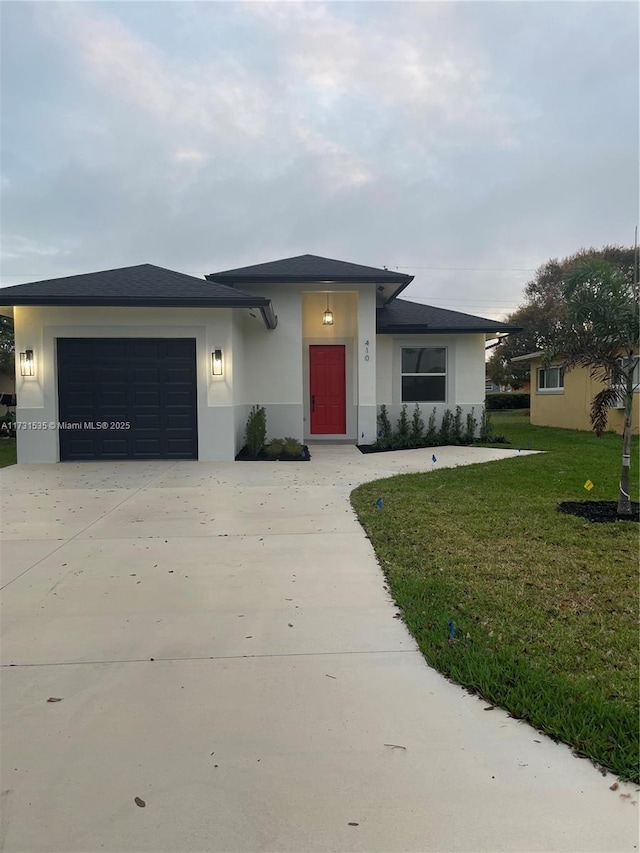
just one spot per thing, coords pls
(602, 333)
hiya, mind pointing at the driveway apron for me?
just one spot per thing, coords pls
(222, 647)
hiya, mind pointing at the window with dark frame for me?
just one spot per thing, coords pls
(424, 374)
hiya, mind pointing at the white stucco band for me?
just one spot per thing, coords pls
(38, 328)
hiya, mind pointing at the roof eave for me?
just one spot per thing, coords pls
(430, 330)
(121, 302)
(230, 281)
(400, 289)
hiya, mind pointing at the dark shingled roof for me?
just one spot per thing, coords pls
(404, 317)
(309, 268)
(145, 284)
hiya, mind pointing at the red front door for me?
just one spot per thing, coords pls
(327, 388)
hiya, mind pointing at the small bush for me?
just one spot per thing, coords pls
(275, 448)
(431, 437)
(416, 432)
(256, 430)
(471, 428)
(513, 400)
(486, 428)
(8, 424)
(384, 428)
(445, 434)
(401, 436)
(292, 446)
(456, 431)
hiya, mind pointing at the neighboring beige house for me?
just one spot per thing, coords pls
(563, 398)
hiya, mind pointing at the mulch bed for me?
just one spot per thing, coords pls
(599, 511)
(245, 456)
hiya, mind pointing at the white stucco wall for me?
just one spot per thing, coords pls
(465, 372)
(37, 328)
(273, 362)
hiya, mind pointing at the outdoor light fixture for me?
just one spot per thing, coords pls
(216, 362)
(327, 317)
(27, 367)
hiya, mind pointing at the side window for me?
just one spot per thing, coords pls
(550, 378)
(424, 374)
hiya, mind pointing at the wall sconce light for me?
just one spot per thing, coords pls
(216, 362)
(27, 366)
(327, 317)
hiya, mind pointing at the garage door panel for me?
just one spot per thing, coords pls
(127, 380)
(142, 375)
(115, 447)
(146, 398)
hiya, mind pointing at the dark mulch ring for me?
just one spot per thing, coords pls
(599, 511)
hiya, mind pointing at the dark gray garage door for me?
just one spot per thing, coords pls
(105, 384)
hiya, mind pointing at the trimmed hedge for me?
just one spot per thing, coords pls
(513, 400)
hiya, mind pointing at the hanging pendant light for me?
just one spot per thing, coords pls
(327, 317)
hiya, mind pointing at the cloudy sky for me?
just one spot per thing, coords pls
(463, 142)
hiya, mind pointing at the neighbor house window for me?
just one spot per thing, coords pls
(550, 379)
(424, 374)
(624, 364)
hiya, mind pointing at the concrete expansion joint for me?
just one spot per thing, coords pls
(213, 657)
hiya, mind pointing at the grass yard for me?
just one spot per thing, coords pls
(7, 452)
(545, 605)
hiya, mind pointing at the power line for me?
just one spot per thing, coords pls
(465, 269)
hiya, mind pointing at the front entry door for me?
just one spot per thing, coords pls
(327, 389)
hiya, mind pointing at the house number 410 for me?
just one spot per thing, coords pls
(366, 350)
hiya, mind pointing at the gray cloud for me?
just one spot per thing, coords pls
(208, 135)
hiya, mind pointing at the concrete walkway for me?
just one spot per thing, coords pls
(224, 649)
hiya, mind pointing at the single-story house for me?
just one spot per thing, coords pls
(145, 363)
(563, 398)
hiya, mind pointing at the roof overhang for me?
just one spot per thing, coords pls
(264, 305)
(531, 356)
(453, 330)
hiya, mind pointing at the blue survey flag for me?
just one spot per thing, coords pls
(379, 503)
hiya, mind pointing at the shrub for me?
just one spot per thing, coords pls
(416, 433)
(8, 424)
(446, 428)
(486, 428)
(256, 430)
(384, 428)
(431, 438)
(456, 429)
(292, 446)
(275, 448)
(401, 437)
(513, 400)
(472, 427)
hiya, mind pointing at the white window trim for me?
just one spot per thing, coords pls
(445, 374)
(557, 390)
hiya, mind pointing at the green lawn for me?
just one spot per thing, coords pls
(7, 452)
(545, 605)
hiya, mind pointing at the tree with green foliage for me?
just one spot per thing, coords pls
(7, 346)
(601, 332)
(543, 314)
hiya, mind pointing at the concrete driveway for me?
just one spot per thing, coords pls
(223, 648)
